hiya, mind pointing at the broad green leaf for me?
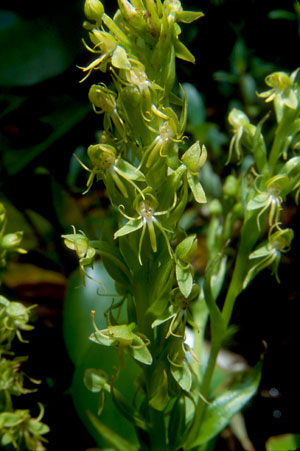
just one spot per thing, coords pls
(219, 413)
(185, 280)
(284, 442)
(79, 301)
(118, 442)
(196, 188)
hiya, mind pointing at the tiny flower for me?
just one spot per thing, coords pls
(11, 242)
(125, 339)
(170, 131)
(243, 132)
(104, 101)
(79, 243)
(283, 89)
(269, 253)
(178, 311)
(146, 219)
(194, 158)
(106, 166)
(270, 198)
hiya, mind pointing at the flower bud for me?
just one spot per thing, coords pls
(77, 242)
(215, 207)
(102, 98)
(187, 249)
(238, 118)
(102, 156)
(195, 157)
(231, 186)
(11, 241)
(93, 9)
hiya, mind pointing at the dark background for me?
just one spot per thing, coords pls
(46, 117)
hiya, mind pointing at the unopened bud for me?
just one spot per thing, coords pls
(93, 10)
(195, 157)
(77, 242)
(187, 249)
(231, 186)
(11, 241)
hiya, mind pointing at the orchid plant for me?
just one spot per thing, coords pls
(151, 171)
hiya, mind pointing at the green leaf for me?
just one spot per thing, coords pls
(283, 442)
(219, 413)
(185, 280)
(118, 442)
(196, 188)
(79, 301)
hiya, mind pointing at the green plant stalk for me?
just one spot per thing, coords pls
(249, 236)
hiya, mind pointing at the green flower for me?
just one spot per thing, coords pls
(104, 101)
(269, 253)
(22, 431)
(146, 209)
(14, 317)
(108, 167)
(170, 132)
(243, 132)
(125, 339)
(193, 159)
(270, 199)
(283, 89)
(79, 243)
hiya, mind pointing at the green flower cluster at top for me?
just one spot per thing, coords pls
(141, 155)
(17, 428)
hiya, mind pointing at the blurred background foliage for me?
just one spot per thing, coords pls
(46, 118)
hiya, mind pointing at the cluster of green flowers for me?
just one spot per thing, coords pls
(253, 200)
(17, 427)
(150, 173)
